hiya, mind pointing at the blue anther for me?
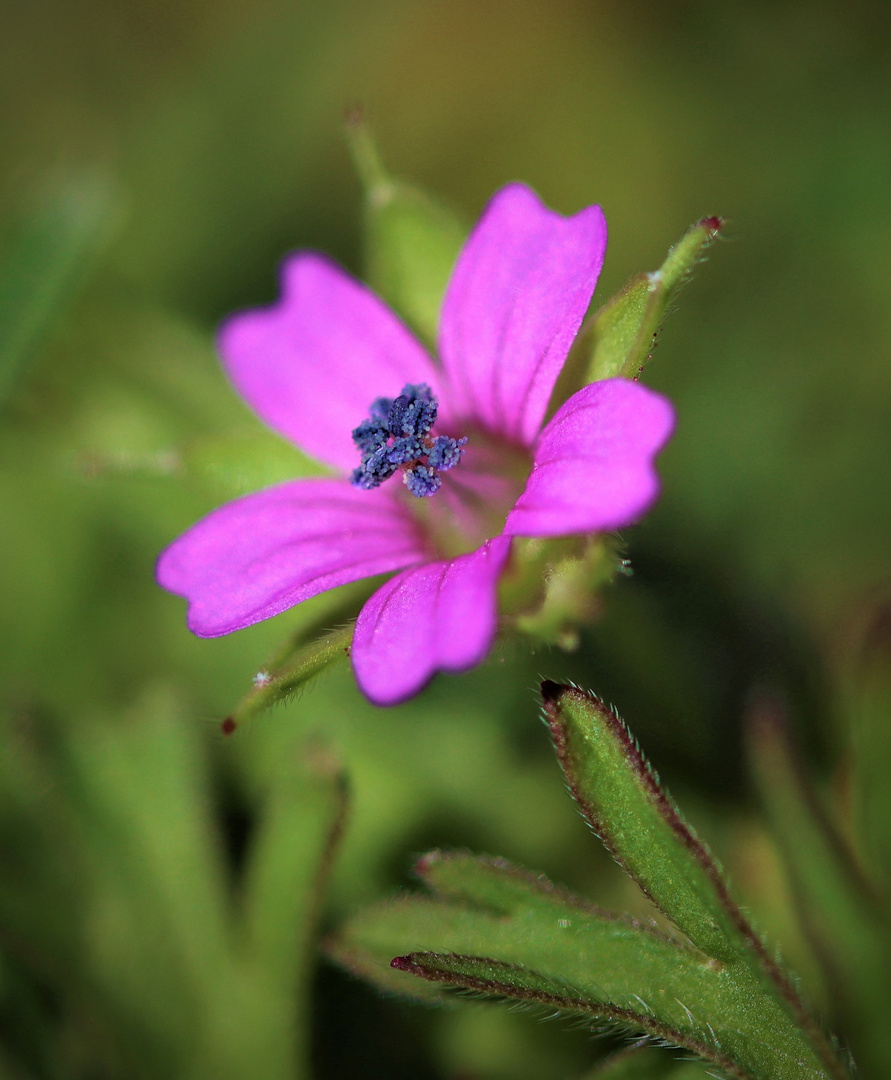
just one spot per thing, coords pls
(445, 453)
(427, 417)
(370, 435)
(405, 450)
(413, 412)
(397, 434)
(362, 479)
(396, 419)
(422, 481)
(374, 470)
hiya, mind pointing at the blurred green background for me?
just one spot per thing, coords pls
(158, 160)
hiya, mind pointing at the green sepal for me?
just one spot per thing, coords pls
(554, 585)
(411, 240)
(621, 797)
(619, 338)
(295, 666)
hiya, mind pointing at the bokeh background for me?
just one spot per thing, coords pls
(158, 160)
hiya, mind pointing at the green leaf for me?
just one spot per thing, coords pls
(647, 1063)
(868, 701)
(45, 258)
(620, 796)
(845, 916)
(518, 936)
(623, 801)
(411, 241)
(290, 858)
(497, 885)
(116, 897)
(619, 339)
(598, 953)
(287, 869)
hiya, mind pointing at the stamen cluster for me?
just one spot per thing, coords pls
(397, 435)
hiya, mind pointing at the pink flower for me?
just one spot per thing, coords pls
(332, 369)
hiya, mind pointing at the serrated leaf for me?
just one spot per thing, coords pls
(566, 955)
(597, 953)
(498, 885)
(411, 240)
(622, 799)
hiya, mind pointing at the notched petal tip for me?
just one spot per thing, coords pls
(310, 363)
(519, 292)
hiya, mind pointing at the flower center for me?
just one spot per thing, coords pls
(397, 435)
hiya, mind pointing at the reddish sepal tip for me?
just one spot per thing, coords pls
(228, 726)
(409, 964)
(550, 691)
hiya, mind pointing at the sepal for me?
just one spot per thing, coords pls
(411, 240)
(295, 666)
(619, 338)
(553, 587)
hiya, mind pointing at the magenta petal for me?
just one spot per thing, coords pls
(264, 553)
(437, 617)
(311, 364)
(594, 462)
(518, 294)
